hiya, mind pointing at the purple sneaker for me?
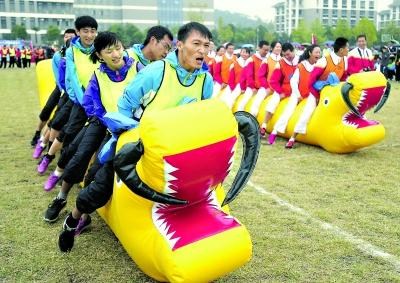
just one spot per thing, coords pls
(44, 164)
(37, 152)
(271, 139)
(51, 182)
(83, 225)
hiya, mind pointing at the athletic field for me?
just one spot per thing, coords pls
(313, 216)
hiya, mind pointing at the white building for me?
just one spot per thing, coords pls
(393, 14)
(290, 12)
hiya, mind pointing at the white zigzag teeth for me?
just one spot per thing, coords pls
(172, 242)
(351, 124)
(168, 188)
(212, 200)
(169, 168)
(170, 235)
(162, 225)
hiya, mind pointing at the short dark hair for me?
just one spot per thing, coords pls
(229, 44)
(219, 47)
(262, 43)
(85, 22)
(274, 43)
(70, 30)
(340, 42)
(186, 29)
(103, 40)
(361, 35)
(248, 50)
(158, 32)
(287, 46)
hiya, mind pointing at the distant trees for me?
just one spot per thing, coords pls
(53, 34)
(367, 27)
(18, 32)
(342, 29)
(392, 29)
(128, 33)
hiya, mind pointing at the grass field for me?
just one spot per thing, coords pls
(313, 216)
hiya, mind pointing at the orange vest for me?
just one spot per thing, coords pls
(207, 59)
(271, 66)
(226, 63)
(287, 71)
(5, 51)
(304, 77)
(331, 67)
(257, 63)
(238, 71)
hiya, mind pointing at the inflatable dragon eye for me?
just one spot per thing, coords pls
(326, 102)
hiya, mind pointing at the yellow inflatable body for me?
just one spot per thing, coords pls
(338, 124)
(45, 80)
(188, 153)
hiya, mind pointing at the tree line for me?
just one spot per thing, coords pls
(228, 32)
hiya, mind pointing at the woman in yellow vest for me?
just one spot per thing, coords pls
(107, 84)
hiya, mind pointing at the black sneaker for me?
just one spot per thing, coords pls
(35, 139)
(66, 237)
(54, 209)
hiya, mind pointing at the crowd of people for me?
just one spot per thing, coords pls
(96, 76)
(14, 57)
(278, 71)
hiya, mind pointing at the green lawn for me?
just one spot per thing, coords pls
(313, 216)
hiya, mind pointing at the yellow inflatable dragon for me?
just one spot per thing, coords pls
(339, 123)
(166, 207)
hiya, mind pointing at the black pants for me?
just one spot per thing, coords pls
(397, 75)
(76, 167)
(98, 192)
(3, 62)
(12, 62)
(51, 103)
(76, 121)
(62, 113)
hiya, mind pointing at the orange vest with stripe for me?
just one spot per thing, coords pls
(238, 72)
(304, 77)
(271, 66)
(331, 67)
(257, 64)
(287, 71)
(225, 66)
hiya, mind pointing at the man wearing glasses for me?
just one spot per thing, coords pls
(156, 46)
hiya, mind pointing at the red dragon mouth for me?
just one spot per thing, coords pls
(368, 99)
(193, 175)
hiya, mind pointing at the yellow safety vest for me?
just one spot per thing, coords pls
(12, 52)
(111, 91)
(133, 55)
(28, 54)
(84, 66)
(172, 91)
